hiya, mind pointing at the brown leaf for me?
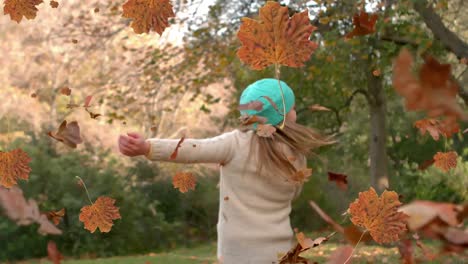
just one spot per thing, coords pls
(87, 101)
(435, 127)
(96, 10)
(363, 24)
(421, 213)
(425, 164)
(339, 179)
(379, 215)
(354, 235)
(148, 15)
(74, 41)
(265, 130)
(53, 254)
(251, 119)
(445, 161)
(33, 95)
(184, 181)
(405, 247)
(68, 134)
(54, 4)
(317, 107)
(14, 165)
(56, 216)
(254, 105)
(275, 38)
(326, 217)
(433, 91)
(341, 255)
(176, 150)
(19, 8)
(65, 91)
(99, 215)
(302, 175)
(292, 256)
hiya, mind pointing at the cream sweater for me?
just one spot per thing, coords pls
(253, 220)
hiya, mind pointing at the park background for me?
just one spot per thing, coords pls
(186, 82)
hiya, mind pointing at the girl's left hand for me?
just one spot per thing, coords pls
(133, 145)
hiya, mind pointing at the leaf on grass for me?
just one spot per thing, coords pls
(68, 134)
(302, 175)
(341, 255)
(53, 254)
(99, 215)
(275, 38)
(433, 91)
(445, 160)
(265, 130)
(379, 215)
(148, 15)
(14, 165)
(17, 9)
(184, 181)
(176, 150)
(340, 180)
(56, 216)
(363, 24)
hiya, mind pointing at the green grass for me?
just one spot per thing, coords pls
(206, 254)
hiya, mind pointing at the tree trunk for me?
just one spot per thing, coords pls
(378, 133)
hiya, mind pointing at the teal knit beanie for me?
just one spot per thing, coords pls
(263, 90)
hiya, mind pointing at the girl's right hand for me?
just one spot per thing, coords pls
(133, 145)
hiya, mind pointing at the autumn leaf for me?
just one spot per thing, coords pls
(436, 127)
(54, 4)
(68, 134)
(433, 91)
(354, 235)
(363, 24)
(14, 165)
(445, 160)
(87, 101)
(247, 120)
(405, 247)
(184, 181)
(421, 213)
(379, 215)
(265, 130)
(53, 254)
(56, 216)
(317, 107)
(275, 38)
(302, 175)
(176, 150)
(65, 91)
(99, 215)
(19, 8)
(148, 15)
(339, 179)
(254, 105)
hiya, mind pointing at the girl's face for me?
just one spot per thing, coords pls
(291, 115)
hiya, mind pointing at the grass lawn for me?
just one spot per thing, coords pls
(206, 254)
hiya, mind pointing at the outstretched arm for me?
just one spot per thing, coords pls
(218, 149)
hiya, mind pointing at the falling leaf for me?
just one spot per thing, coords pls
(68, 134)
(19, 8)
(65, 91)
(148, 15)
(302, 175)
(341, 255)
(176, 150)
(379, 215)
(433, 92)
(252, 119)
(14, 165)
(363, 24)
(275, 38)
(265, 130)
(99, 215)
(339, 179)
(445, 160)
(437, 127)
(405, 247)
(96, 10)
(426, 164)
(56, 216)
(33, 95)
(74, 41)
(354, 235)
(53, 254)
(376, 72)
(421, 213)
(307, 242)
(317, 107)
(254, 105)
(226, 198)
(54, 4)
(292, 256)
(87, 101)
(184, 181)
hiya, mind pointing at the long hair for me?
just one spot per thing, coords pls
(300, 140)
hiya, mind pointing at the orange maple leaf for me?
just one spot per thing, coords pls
(379, 215)
(148, 15)
(68, 134)
(435, 127)
(275, 38)
(302, 175)
(265, 130)
(363, 24)
(14, 166)
(56, 216)
(445, 160)
(433, 91)
(184, 181)
(19, 8)
(53, 254)
(100, 215)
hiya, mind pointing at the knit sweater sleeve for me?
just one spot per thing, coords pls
(219, 149)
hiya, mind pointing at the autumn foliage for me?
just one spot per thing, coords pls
(100, 215)
(148, 15)
(14, 166)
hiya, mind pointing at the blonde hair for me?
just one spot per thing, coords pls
(300, 140)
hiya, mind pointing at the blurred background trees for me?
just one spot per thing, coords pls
(187, 82)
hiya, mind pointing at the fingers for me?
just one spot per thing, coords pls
(134, 135)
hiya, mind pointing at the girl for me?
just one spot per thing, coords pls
(258, 174)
